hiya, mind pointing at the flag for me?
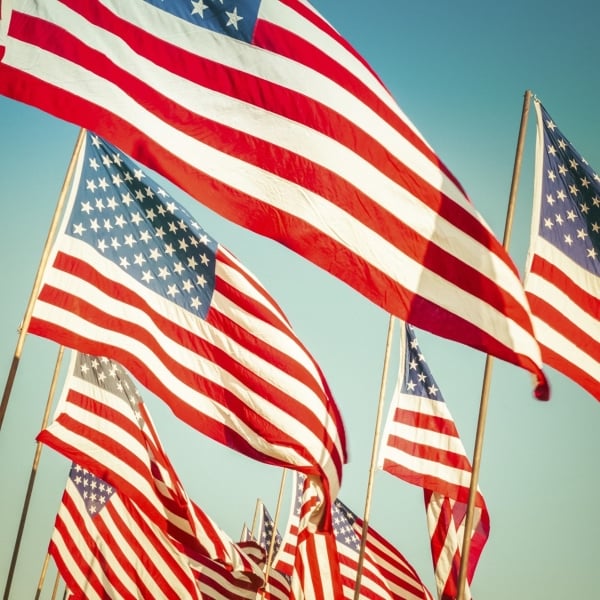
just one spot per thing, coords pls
(277, 584)
(268, 534)
(421, 445)
(262, 111)
(104, 547)
(562, 278)
(386, 574)
(133, 277)
(101, 423)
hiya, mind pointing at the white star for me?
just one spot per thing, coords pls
(234, 18)
(199, 8)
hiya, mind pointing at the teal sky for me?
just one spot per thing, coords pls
(459, 71)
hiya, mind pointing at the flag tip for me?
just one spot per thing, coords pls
(542, 389)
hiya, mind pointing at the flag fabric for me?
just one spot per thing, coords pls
(277, 584)
(268, 534)
(101, 423)
(104, 547)
(421, 445)
(562, 278)
(133, 277)
(386, 574)
(262, 111)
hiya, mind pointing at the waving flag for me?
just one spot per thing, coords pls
(103, 546)
(134, 278)
(277, 584)
(100, 422)
(263, 112)
(386, 574)
(421, 445)
(563, 273)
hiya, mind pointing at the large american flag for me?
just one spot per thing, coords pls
(133, 277)
(386, 574)
(262, 111)
(101, 422)
(563, 273)
(104, 546)
(421, 445)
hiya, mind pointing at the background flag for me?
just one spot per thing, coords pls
(133, 277)
(277, 583)
(562, 279)
(101, 422)
(104, 547)
(421, 445)
(264, 113)
(386, 574)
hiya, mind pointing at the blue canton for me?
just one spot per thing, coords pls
(570, 207)
(129, 219)
(95, 492)
(418, 380)
(266, 534)
(235, 18)
(343, 520)
(110, 376)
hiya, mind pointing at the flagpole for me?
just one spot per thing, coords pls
(44, 259)
(254, 517)
(272, 541)
(363, 538)
(55, 588)
(32, 476)
(489, 361)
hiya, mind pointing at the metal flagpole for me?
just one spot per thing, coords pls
(34, 469)
(272, 541)
(38, 278)
(363, 539)
(489, 362)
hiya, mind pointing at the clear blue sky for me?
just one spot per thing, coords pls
(459, 71)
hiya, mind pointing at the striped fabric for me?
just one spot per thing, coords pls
(421, 445)
(263, 112)
(100, 421)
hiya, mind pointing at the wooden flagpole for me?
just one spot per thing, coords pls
(55, 587)
(489, 362)
(34, 468)
(363, 538)
(38, 278)
(272, 541)
(43, 577)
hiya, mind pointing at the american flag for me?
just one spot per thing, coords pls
(421, 445)
(277, 583)
(103, 546)
(268, 534)
(563, 274)
(386, 574)
(262, 111)
(101, 422)
(134, 277)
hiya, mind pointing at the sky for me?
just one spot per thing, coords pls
(459, 71)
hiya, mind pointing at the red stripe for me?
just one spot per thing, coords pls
(454, 460)
(425, 421)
